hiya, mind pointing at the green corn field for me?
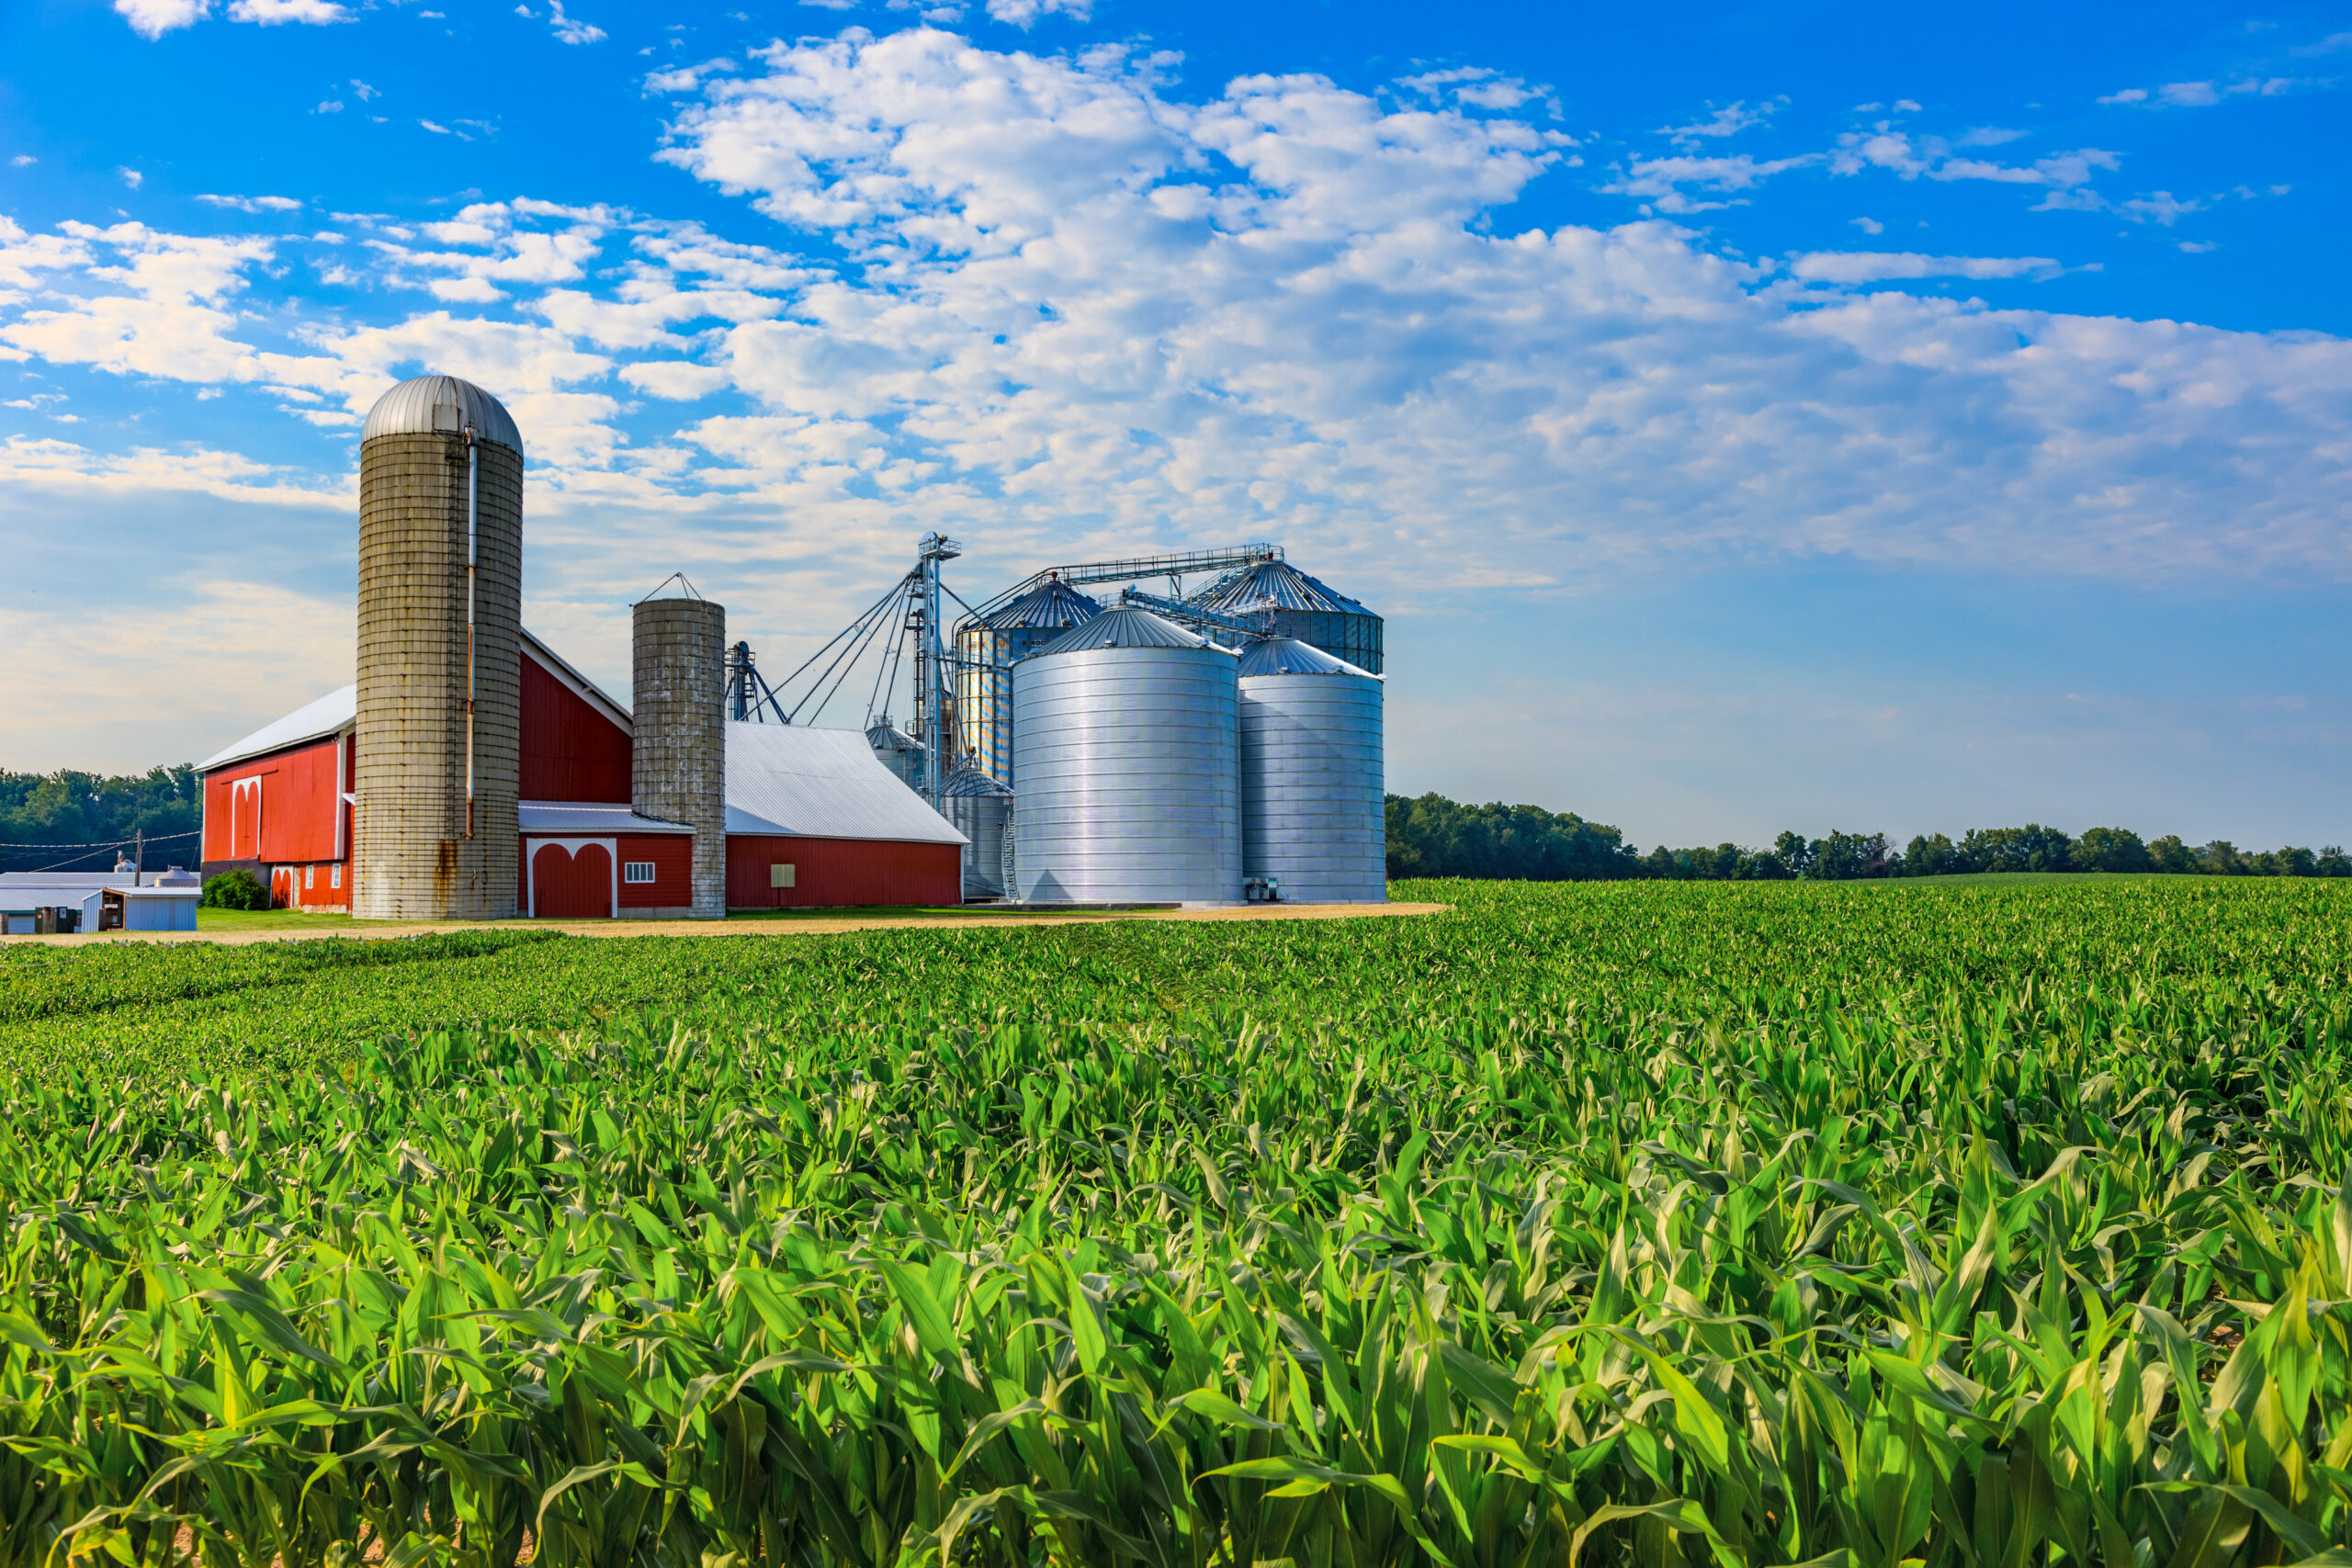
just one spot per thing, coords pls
(1608, 1224)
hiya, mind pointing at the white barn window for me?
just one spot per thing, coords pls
(637, 871)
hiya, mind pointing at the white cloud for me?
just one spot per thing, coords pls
(268, 650)
(2204, 94)
(1881, 266)
(23, 161)
(444, 130)
(364, 90)
(329, 106)
(273, 13)
(1027, 13)
(568, 30)
(1660, 179)
(1931, 158)
(253, 203)
(130, 177)
(153, 18)
(1099, 307)
(1868, 225)
(2199, 247)
(1728, 120)
(675, 378)
(1054, 304)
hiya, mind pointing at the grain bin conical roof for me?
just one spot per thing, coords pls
(1288, 655)
(1123, 628)
(1051, 604)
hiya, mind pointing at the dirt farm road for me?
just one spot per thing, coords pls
(793, 925)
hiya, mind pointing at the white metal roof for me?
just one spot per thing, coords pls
(586, 819)
(339, 709)
(821, 783)
(312, 721)
(424, 404)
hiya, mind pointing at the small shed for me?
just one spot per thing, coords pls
(128, 908)
(815, 819)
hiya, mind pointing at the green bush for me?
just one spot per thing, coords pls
(235, 890)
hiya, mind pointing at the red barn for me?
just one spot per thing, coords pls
(813, 818)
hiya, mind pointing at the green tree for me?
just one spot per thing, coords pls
(2109, 849)
(1931, 854)
(76, 809)
(1431, 836)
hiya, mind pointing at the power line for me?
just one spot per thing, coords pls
(107, 843)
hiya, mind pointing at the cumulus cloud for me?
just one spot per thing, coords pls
(153, 18)
(1027, 13)
(1728, 120)
(23, 161)
(570, 29)
(274, 13)
(1057, 303)
(253, 203)
(1881, 266)
(2202, 95)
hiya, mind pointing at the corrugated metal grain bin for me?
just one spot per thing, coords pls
(1125, 742)
(1002, 638)
(1303, 607)
(1312, 776)
(981, 806)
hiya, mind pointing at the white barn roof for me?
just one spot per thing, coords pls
(339, 710)
(312, 721)
(821, 783)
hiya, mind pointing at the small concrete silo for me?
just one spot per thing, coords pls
(440, 623)
(678, 758)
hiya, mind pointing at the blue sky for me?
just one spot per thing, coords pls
(1756, 417)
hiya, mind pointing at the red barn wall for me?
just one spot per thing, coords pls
(300, 808)
(570, 751)
(835, 873)
(673, 855)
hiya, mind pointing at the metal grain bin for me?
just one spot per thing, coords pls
(980, 807)
(1311, 775)
(988, 647)
(440, 655)
(1303, 607)
(900, 752)
(1125, 739)
(678, 760)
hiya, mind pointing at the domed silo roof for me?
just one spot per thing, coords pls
(423, 405)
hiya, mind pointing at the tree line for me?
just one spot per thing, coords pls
(1431, 836)
(47, 819)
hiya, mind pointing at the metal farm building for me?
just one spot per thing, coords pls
(1062, 748)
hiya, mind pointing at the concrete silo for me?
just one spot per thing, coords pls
(678, 758)
(440, 619)
(1312, 811)
(1125, 743)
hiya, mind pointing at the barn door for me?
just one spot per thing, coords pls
(245, 819)
(567, 886)
(281, 888)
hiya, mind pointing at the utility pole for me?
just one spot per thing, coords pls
(138, 855)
